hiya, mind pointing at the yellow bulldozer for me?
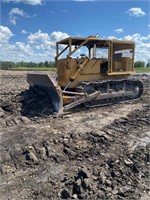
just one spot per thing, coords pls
(90, 71)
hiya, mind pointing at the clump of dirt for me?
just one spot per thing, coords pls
(35, 102)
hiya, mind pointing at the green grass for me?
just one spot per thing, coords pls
(54, 69)
(34, 69)
(142, 70)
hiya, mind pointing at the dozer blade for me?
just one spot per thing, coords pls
(47, 84)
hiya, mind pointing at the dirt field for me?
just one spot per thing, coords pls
(89, 154)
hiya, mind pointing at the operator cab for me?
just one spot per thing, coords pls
(93, 57)
(112, 56)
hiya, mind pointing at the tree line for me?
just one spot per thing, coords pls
(22, 64)
(141, 64)
(51, 64)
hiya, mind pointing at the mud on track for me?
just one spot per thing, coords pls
(100, 153)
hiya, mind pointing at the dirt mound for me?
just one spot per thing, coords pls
(35, 103)
(21, 103)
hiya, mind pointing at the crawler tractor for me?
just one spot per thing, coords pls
(90, 71)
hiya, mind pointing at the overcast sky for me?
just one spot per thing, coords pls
(29, 29)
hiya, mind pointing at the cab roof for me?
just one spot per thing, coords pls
(91, 40)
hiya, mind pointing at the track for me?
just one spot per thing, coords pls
(112, 91)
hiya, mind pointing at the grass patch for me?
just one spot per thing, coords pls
(140, 69)
(35, 68)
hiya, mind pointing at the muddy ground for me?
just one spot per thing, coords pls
(100, 153)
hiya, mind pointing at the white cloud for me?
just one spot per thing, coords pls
(40, 39)
(5, 34)
(142, 46)
(24, 48)
(30, 2)
(112, 38)
(148, 25)
(24, 31)
(38, 47)
(57, 35)
(134, 37)
(44, 41)
(15, 13)
(119, 30)
(38, 36)
(136, 12)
